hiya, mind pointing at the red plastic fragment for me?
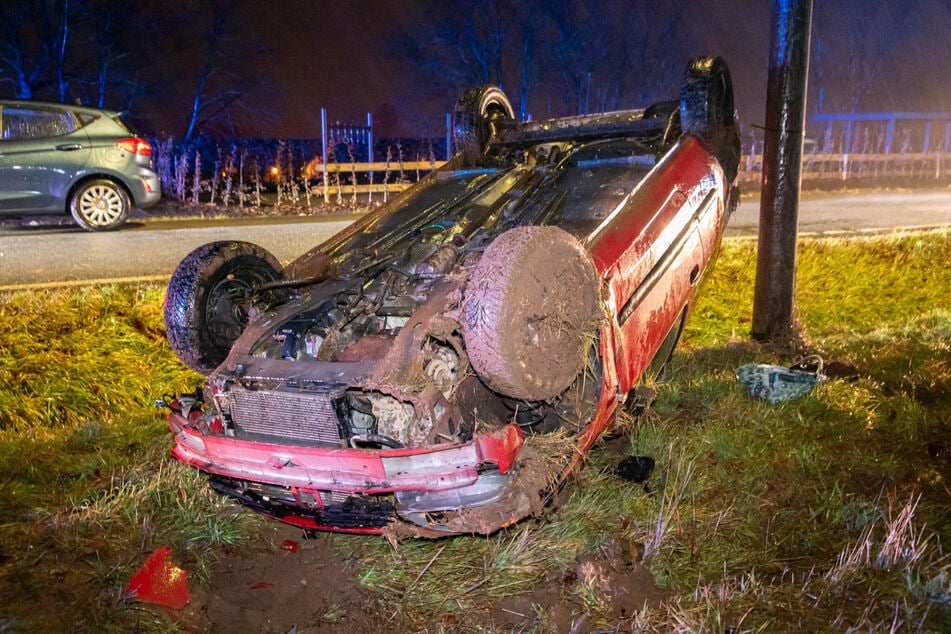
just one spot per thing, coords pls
(159, 581)
(289, 545)
(263, 584)
(501, 447)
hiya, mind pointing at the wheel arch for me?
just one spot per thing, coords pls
(86, 177)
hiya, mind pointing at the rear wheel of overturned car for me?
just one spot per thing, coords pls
(208, 298)
(531, 312)
(476, 118)
(707, 110)
(99, 205)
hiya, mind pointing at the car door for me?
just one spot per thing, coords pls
(651, 253)
(41, 149)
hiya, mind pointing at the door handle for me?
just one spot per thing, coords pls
(69, 147)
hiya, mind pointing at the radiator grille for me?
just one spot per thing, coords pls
(286, 417)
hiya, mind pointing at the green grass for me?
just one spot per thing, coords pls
(756, 511)
(829, 512)
(87, 488)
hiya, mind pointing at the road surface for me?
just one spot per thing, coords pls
(836, 213)
(38, 255)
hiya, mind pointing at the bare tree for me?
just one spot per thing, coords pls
(26, 53)
(219, 88)
(62, 41)
(478, 43)
(583, 46)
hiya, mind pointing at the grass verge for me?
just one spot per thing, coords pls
(829, 512)
(87, 488)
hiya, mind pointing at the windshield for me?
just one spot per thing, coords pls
(434, 214)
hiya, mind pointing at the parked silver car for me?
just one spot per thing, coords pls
(63, 159)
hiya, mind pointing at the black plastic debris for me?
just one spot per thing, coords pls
(635, 468)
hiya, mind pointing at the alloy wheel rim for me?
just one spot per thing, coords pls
(101, 205)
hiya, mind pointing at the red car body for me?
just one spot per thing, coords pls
(649, 241)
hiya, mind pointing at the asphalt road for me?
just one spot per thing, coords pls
(57, 254)
(821, 213)
(48, 253)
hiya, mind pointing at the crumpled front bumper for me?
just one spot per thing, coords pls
(445, 477)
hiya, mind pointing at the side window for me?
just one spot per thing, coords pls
(20, 124)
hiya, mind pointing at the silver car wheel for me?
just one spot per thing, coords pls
(100, 205)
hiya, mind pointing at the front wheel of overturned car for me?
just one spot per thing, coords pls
(208, 298)
(707, 110)
(476, 119)
(532, 307)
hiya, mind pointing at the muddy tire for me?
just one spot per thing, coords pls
(208, 297)
(475, 121)
(707, 110)
(531, 307)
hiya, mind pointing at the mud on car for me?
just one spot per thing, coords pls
(443, 365)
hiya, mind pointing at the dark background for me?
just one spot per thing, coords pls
(266, 68)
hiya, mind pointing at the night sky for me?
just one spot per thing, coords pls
(339, 56)
(293, 57)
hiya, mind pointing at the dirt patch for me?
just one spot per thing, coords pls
(609, 586)
(270, 587)
(615, 579)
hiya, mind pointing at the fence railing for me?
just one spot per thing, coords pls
(379, 177)
(936, 165)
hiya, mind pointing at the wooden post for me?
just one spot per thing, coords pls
(782, 170)
(370, 152)
(323, 150)
(846, 149)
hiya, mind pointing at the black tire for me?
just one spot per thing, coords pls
(99, 205)
(531, 307)
(476, 118)
(707, 110)
(208, 297)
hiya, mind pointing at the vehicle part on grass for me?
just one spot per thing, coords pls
(476, 118)
(290, 545)
(209, 298)
(444, 364)
(99, 205)
(531, 303)
(160, 582)
(775, 384)
(635, 468)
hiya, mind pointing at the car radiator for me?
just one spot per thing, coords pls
(290, 418)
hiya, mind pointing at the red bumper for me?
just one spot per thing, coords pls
(346, 470)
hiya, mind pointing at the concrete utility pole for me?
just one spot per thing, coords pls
(782, 162)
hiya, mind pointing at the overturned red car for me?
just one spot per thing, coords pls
(401, 377)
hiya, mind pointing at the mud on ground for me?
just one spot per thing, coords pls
(267, 588)
(291, 581)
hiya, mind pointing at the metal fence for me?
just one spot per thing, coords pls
(844, 166)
